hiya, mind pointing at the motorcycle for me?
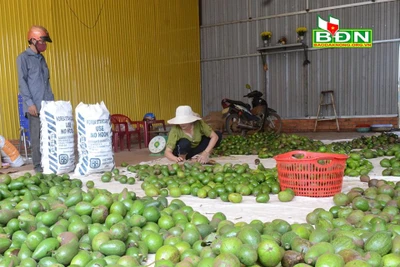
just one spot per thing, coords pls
(242, 117)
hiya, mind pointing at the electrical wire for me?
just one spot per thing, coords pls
(83, 23)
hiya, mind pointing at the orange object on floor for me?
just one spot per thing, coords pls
(123, 126)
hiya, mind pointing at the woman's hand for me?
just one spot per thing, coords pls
(168, 153)
(178, 159)
(203, 157)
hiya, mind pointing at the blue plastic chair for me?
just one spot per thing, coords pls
(24, 135)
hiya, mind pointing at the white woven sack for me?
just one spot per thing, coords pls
(94, 139)
(57, 137)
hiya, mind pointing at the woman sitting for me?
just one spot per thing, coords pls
(190, 136)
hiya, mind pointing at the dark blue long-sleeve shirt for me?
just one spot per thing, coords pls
(33, 79)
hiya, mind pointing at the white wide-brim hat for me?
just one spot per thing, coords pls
(184, 114)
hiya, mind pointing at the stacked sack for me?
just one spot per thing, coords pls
(57, 137)
(94, 139)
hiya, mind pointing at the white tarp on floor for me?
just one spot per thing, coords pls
(249, 209)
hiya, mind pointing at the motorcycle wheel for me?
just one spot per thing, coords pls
(231, 125)
(273, 123)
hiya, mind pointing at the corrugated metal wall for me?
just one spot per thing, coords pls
(365, 80)
(136, 56)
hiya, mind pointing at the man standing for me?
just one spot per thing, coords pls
(34, 85)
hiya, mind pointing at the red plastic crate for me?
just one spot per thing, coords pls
(311, 174)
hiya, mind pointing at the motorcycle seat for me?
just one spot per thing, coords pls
(236, 102)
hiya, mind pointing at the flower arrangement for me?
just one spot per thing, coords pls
(301, 31)
(266, 35)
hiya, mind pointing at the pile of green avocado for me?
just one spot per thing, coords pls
(269, 144)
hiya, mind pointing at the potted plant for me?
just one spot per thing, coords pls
(266, 37)
(301, 31)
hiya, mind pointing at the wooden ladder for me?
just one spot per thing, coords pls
(322, 103)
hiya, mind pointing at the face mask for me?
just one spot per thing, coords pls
(41, 47)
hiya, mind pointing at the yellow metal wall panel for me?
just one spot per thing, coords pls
(136, 56)
(14, 24)
(181, 32)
